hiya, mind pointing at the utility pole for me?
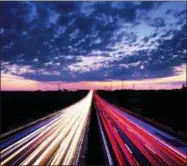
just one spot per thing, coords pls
(183, 87)
(111, 85)
(58, 86)
(122, 84)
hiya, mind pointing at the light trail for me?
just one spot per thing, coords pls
(51, 140)
(135, 142)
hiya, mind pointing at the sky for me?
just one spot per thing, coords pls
(92, 45)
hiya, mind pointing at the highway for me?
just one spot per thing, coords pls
(52, 140)
(130, 141)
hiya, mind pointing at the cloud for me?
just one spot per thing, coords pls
(78, 41)
(147, 5)
(158, 22)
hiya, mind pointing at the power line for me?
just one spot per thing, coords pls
(58, 85)
(111, 85)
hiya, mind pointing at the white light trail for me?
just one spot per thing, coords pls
(57, 141)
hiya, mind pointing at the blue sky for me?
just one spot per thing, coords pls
(92, 41)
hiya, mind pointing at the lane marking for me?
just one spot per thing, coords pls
(128, 148)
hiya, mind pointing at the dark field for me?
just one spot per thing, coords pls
(18, 108)
(165, 106)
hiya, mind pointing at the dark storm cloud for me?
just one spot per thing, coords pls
(158, 22)
(149, 5)
(169, 54)
(166, 34)
(176, 13)
(145, 39)
(52, 36)
(9, 11)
